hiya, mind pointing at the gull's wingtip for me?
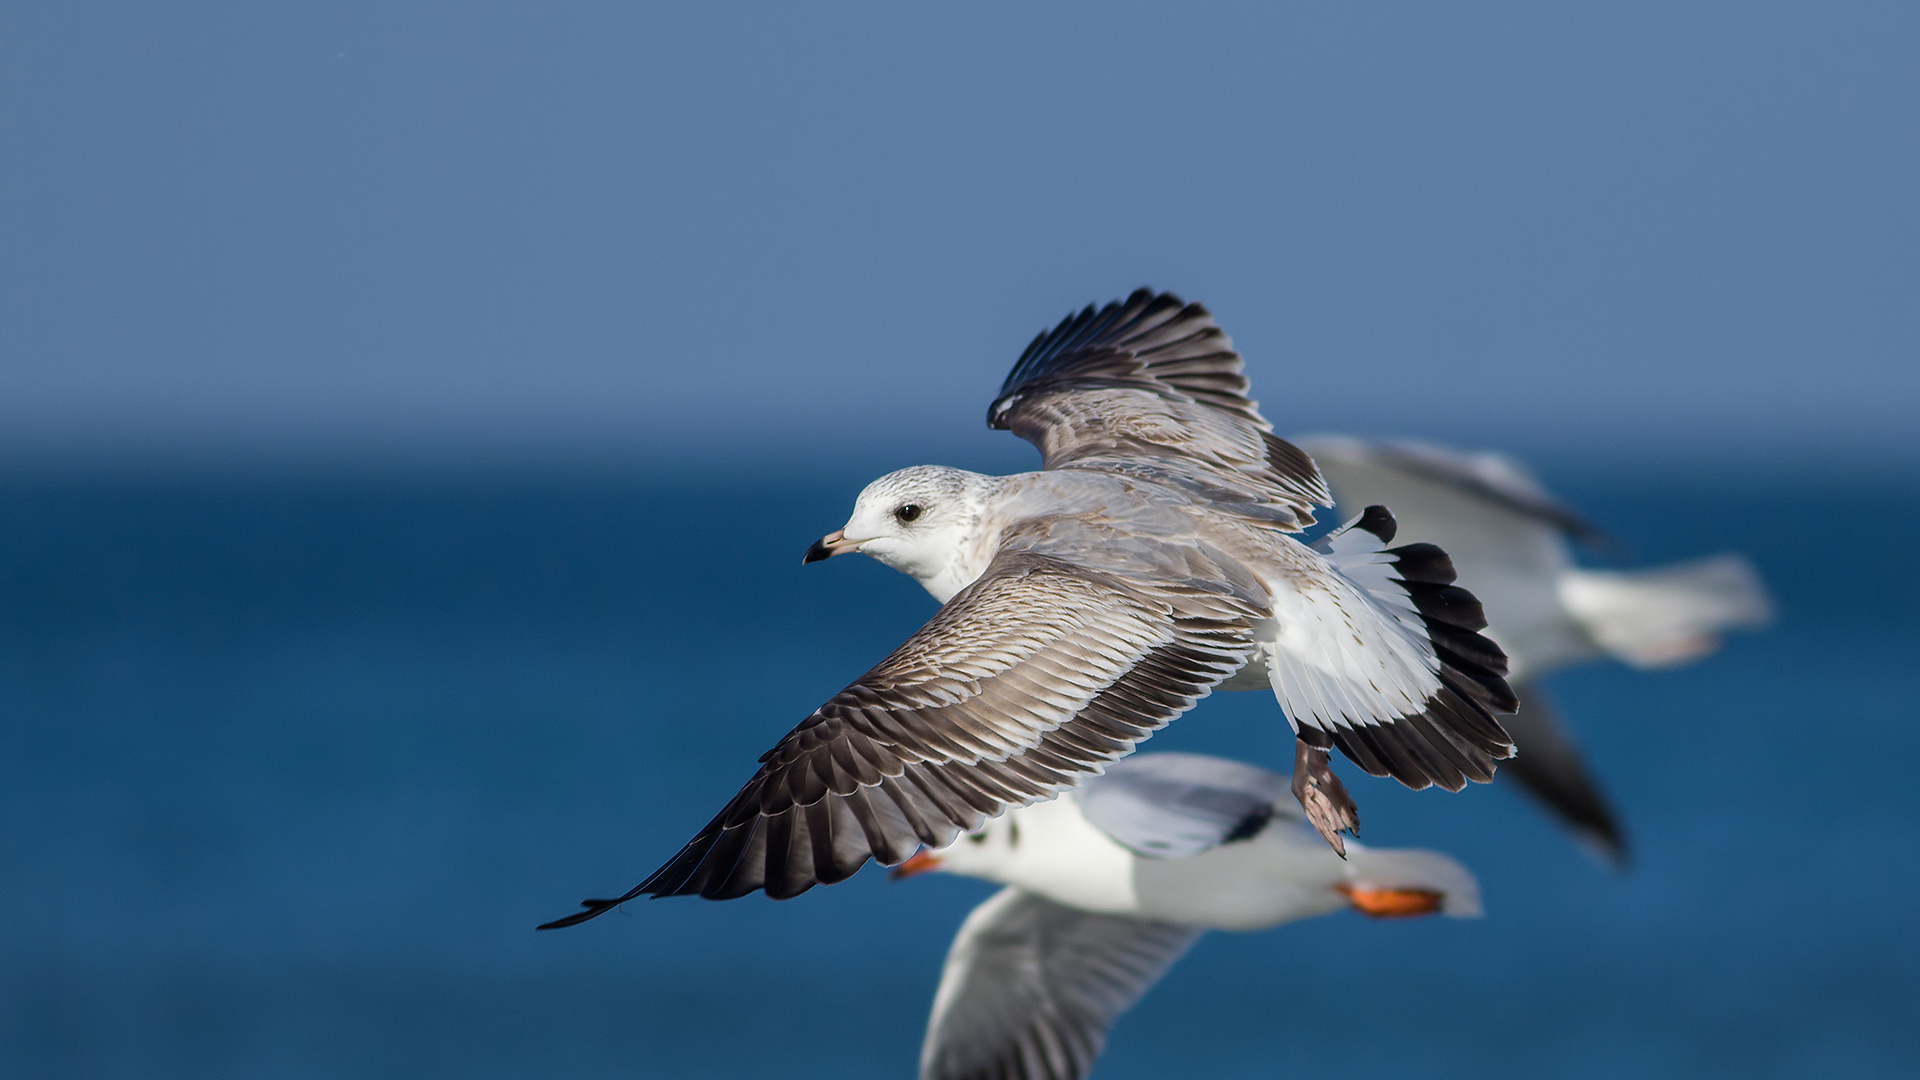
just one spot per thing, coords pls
(594, 909)
(575, 919)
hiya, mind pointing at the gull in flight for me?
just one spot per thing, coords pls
(1512, 543)
(1087, 604)
(1110, 883)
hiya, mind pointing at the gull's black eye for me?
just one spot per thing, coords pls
(908, 512)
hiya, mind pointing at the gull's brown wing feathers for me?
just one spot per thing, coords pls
(1038, 674)
(1150, 386)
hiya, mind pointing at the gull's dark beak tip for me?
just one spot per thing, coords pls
(834, 543)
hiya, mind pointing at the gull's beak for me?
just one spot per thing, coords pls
(834, 543)
(920, 863)
(1389, 903)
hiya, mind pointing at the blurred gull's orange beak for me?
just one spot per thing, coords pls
(920, 863)
(1392, 903)
(834, 543)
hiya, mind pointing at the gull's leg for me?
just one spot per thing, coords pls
(1322, 796)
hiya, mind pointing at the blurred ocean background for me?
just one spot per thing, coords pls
(291, 768)
(412, 416)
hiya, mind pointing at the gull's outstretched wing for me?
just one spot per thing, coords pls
(1036, 675)
(1149, 386)
(1385, 660)
(1030, 988)
(1552, 769)
(1172, 805)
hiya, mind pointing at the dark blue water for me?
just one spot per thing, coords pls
(290, 768)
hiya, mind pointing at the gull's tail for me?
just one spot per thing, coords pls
(1669, 614)
(1411, 603)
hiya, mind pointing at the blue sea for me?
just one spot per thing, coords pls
(292, 763)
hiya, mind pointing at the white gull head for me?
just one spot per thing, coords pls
(1049, 848)
(928, 522)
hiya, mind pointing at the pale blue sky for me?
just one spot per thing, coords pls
(542, 226)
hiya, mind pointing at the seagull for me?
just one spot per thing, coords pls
(1108, 885)
(1512, 543)
(1085, 605)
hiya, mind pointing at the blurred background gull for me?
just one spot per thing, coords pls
(400, 405)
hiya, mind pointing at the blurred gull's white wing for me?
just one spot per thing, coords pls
(1486, 478)
(1030, 988)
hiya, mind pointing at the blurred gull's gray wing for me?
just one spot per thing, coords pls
(1552, 769)
(1486, 477)
(1031, 987)
(1171, 805)
(1151, 387)
(1036, 675)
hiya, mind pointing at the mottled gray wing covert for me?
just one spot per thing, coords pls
(1150, 387)
(1030, 988)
